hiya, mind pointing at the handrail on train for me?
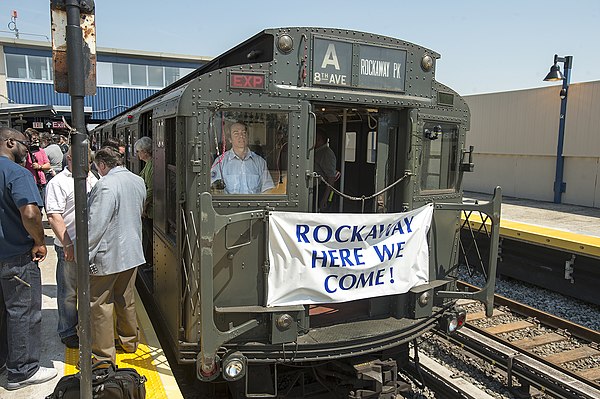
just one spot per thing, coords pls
(492, 210)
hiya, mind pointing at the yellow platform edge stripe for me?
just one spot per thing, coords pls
(149, 360)
(545, 236)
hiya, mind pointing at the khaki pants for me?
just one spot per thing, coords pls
(113, 291)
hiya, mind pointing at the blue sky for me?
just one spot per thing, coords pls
(486, 46)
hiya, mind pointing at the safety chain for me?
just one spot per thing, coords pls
(363, 198)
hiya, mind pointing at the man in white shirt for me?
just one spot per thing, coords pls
(60, 208)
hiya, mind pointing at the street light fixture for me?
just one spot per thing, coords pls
(554, 75)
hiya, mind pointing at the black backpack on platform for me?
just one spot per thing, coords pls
(108, 382)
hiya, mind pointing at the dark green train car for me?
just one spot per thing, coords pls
(399, 140)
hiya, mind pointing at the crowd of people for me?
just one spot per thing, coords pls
(36, 174)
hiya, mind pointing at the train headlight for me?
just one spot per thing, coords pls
(426, 63)
(284, 321)
(453, 321)
(285, 43)
(234, 366)
(424, 298)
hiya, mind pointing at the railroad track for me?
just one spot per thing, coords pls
(539, 349)
(443, 381)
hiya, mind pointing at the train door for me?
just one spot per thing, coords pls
(248, 169)
(144, 129)
(361, 139)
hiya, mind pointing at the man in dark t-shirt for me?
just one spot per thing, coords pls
(21, 248)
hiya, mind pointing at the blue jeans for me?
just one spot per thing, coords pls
(66, 294)
(20, 316)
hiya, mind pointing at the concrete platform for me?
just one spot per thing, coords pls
(571, 228)
(571, 218)
(149, 360)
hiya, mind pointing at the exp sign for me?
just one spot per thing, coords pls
(253, 81)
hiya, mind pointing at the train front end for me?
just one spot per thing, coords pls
(284, 268)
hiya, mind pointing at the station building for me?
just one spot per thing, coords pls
(515, 136)
(514, 133)
(124, 78)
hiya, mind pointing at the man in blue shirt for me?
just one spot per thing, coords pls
(241, 170)
(21, 248)
(325, 166)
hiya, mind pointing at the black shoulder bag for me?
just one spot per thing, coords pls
(108, 382)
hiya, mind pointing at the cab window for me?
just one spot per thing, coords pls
(438, 167)
(249, 153)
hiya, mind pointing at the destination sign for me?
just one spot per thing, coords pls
(382, 68)
(332, 63)
(375, 67)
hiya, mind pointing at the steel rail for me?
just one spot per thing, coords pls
(526, 367)
(544, 318)
(443, 381)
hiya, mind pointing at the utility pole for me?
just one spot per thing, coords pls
(72, 58)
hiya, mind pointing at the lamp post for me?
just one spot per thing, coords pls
(554, 75)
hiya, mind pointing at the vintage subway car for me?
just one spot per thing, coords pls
(399, 140)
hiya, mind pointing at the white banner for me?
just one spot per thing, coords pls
(325, 258)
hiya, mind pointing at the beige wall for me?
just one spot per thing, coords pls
(515, 136)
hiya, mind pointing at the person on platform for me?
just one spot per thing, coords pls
(115, 208)
(21, 248)
(143, 149)
(239, 169)
(63, 143)
(60, 208)
(37, 161)
(54, 153)
(116, 144)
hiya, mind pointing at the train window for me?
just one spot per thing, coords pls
(350, 151)
(440, 144)
(169, 132)
(372, 147)
(249, 152)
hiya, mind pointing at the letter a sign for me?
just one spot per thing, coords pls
(332, 62)
(331, 57)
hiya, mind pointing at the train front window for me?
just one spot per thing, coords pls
(249, 152)
(438, 167)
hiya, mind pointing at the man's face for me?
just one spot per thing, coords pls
(239, 136)
(101, 167)
(21, 147)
